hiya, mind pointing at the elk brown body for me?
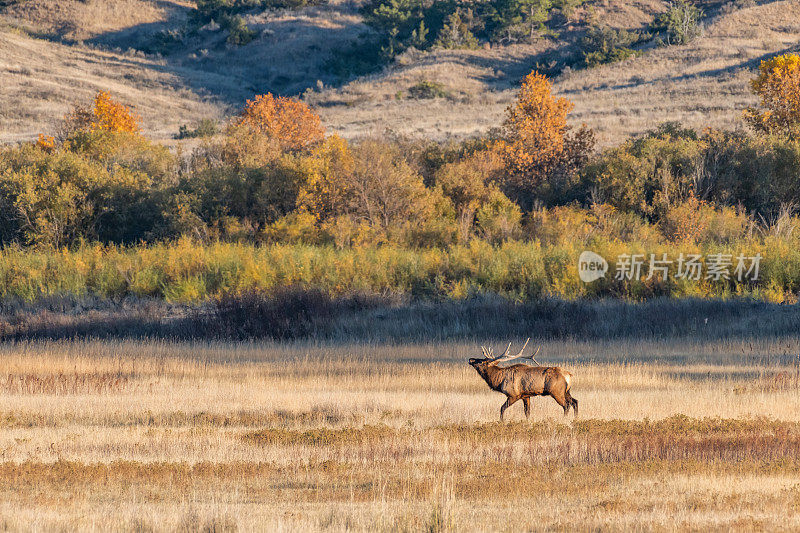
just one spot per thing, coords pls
(523, 381)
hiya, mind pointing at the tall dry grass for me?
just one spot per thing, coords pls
(308, 436)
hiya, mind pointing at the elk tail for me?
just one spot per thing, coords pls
(571, 402)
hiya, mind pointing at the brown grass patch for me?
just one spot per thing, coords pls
(547, 443)
(79, 383)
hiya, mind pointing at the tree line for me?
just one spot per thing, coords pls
(273, 175)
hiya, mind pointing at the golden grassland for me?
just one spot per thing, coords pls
(147, 436)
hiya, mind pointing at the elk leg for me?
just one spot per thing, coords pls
(574, 403)
(527, 403)
(563, 402)
(509, 402)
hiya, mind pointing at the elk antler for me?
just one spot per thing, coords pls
(533, 357)
(506, 357)
(523, 347)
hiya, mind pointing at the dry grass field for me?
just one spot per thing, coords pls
(222, 437)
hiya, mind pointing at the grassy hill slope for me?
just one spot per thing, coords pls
(704, 83)
(55, 54)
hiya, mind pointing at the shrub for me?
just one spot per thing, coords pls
(341, 230)
(680, 24)
(299, 226)
(467, 183)
(131, 151)
(59, 197)
(602, 44)
(567, 225)
(778, 87)
(665, 167)
(426, 89)
(687, 221)
(254, 197)
(106, 114)
(647, 175)
(357, 59)
(204, 128)
(46, 142)
(697, 221)
(437, 231)
(499, 218)
(165, 41)
(372, 182)
(238, 32)
(110, 115)
(241, 147)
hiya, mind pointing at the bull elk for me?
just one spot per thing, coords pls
(522, 381)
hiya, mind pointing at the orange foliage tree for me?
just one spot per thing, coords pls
(535, 124)
(110, 115)
(290, 122)
(106, 114)
(778, 87)
(537, 149)
(46, 142)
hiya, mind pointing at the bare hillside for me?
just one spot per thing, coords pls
(42, 80)
(702, 84)
(80, 20)
(54, 54)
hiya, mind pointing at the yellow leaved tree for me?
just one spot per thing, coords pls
(539, 152)
(535, 124)
(778, 87)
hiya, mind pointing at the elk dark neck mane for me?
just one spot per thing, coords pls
(494, 376)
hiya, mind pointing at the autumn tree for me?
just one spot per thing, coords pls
(46, 142)
(778, 87)
(326, 190)
(111, 115)
(540, 153)
(371, 184)
(92, 123)
(291, 123)
(469, 183)
(106, 114)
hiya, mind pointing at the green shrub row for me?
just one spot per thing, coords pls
(186, 271)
